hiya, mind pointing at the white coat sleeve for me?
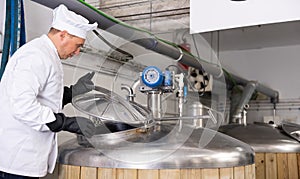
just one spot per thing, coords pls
(28, 76)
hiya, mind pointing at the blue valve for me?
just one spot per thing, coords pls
(152, 77)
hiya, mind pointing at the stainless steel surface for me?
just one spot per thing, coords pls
(131, 95)
(262, 137)
(291, 129)
(196, 152)
(112, 135)
(148, 145)
(105, 105)
(154, 103)
(243, 101)
(196, 109)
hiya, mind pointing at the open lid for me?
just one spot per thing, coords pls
(292, 129)
(105, 105)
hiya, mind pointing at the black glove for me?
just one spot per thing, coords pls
(83, 85)
(78, 125)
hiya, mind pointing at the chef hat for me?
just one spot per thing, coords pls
(75, 24)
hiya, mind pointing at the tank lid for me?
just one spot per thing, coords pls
(104, 105)
(197, 152)
(262, 137)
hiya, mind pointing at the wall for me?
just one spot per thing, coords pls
(36, 25)
(277, 68)
(2, 16)
(2, 25)
(267, 54)
(240, 13)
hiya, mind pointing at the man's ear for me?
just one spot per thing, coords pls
(63, 34)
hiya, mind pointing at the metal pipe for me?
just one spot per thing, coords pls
(155, 12)
(149, 42)
(154, 103)
(244, 100)
(139, 37)
(274, 95)
(131, 95)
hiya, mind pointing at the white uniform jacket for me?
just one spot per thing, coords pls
(31, 89)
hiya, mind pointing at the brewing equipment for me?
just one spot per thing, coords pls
(136, 141)
(276, 147)
(276, 153)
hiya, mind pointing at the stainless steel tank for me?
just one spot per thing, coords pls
(276, 152)
(151, 149)
(222, 151)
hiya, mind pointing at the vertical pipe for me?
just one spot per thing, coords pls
(245, 98)
(154, 103)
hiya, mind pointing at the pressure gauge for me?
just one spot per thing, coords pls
(152, 77)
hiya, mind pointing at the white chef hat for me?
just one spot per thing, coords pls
(75, 24)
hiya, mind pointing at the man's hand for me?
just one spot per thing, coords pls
(77, 125)
(83, 85)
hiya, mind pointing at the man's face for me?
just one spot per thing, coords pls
(70, 46)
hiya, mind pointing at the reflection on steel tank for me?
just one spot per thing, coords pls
(277, 150)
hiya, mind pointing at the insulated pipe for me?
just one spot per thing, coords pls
(245, 98)
(274, 95)
(139, 37)
(149, 41)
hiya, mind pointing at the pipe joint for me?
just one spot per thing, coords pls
(131, 95)
(181, 54)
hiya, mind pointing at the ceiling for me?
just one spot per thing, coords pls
(151, 15)
(262, 36)
(170, 15)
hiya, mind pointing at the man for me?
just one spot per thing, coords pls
(32, 97)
